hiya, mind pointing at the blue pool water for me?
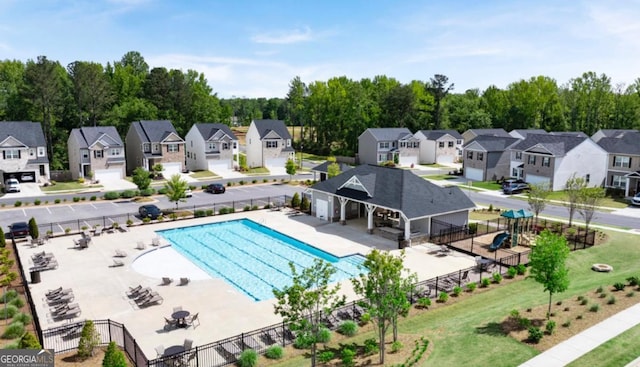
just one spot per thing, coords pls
(251, 257)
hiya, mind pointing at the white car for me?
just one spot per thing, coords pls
(188, 193)
(12, 185)
(636, 200)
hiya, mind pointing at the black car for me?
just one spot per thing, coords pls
(149, 211)
(19, 230)
(215, 188)
(515, 188)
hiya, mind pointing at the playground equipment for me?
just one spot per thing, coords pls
(519, 224)
(499, 240)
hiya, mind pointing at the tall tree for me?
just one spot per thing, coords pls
(296, 104)
(589, 198)
(305, 303)
(591, 103)
(384, 290)
(439, 88)
(548, 264)
(11, 84)
(91, 91)
(573, 187)
(537, 198)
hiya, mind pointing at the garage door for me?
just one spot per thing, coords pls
(170, 169)
(407, 161)
(108, 174)
(533, 179)
(216, 167)
(276, 162)
(321, 208)
(474, 174)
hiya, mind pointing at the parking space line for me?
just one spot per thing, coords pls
(24, 212)
(71, 207)
(49, 210)
(93, 206)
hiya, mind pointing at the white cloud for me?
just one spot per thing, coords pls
(284, 37)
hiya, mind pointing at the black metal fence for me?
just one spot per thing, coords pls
(27, 292)
(445, 233)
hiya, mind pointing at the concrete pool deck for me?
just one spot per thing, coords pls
(100, 290)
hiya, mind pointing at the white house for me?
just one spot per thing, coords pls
(212, 147)
(439, 146)
(268, 144)
(96, 150)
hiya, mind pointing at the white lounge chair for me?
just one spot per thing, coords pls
(120, 253)
(140, 245)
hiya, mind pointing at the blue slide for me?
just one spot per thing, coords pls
(498, 240)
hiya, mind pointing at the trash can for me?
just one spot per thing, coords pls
(35, 276)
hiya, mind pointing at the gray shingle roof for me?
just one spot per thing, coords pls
(28, 132)
(154, 131)
(557, 144)
(615, 133)
(525, 132)
(436, 134)
(207, 130)
(398, 189)
(88, 135)
(278, 126)
(492, 143)
(578, 134)
(390, 133)
(629, 143)
(323, 167)
(493, 132)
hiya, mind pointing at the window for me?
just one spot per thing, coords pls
(32, 152)
(480, 156)
(587, 178)
(618, 181)
(403, 144)
(546, 161)
(211, 146)
(12, 154)
(519, 156)
(416, 144)
(619, 161)
(469, 155)
(98, 154)
(115, 151)
(459, 142)
(383, 145)
(188, 154)
(235, 145)
(514, 172)
(85, 154)
(173, 148)
(288, 142)
(146, 147)
(531, 159)
(272, 144)
(450, 144)
(382, 157)
(441, 144)
(41, 152)
(225, 146)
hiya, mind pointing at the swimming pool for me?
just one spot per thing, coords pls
(251, 257)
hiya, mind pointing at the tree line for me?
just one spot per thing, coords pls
(331, 114)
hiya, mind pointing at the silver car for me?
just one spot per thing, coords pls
(635, 201)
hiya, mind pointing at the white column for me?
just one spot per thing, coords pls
(407, 229)
(370, 209)
(343, 209)
(626, 187)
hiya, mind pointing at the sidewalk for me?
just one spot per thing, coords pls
(574, 347)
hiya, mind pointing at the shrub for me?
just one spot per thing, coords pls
(57, 201)
(248, 358)
(424, 302)
(17, 203)
(76, 199)
(371, 347)
(8, 312)
(265, 180)
(611, 300)
(348, 328)
(110, 195)
(602, 295)
(521, 268)
(594, 307)
(324, 335)
(114, 357)
(512, 272)
(247, 208)
(36, 202)
(148, 191)
(567, 308)
(199, 213)
(579, 317)
(347, 354)
(457, 290)
(473, 228)
(584, 301)
(146, 220)
(254, 181)
(67, 230)
(8, 296)
(15, 330)
(580, 298)
(3, 239)
(566, 323)
(326, 356)
(295, 200)
(472, 286)
(208, 212)
(241, 182)
(162, 191)
(535, 334)
(485, 282)
(22, 317)
(17, 302)
(600, 289)
(550, 327)
(92, 198)
(619, 286)
(497, 277)
(631, 294)
(524, 322)
(128, 194)
(303, 341)
(514, 314)
(559, 303)
(274, 352)
(633, 281)
(443, 297)
(490, 207)
(89, 339)
(28, 341)
(396, 346)
(304, 204)
(365, 318)
(129, 222)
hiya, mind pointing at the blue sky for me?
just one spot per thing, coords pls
(255, 48)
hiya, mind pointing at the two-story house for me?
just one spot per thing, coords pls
(211, 146)
(24, 152)
(379, 145)
(439, 146)
(154, 142)
(268, 144)
(610, 133)
(623, 162)
(471, 134)
(522, 133)
(487, 157)
(96, 152)
(553, 159)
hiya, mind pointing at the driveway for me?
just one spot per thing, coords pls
(26, 190)
(115, 185)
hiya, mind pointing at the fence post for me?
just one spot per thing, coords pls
(472, 243)
(242, 341)
(78, 224)
(283, 334)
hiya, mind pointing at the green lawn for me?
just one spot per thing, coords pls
(65, 186)
(312, 157)
(203, 174)
(435, 165)
(467, 332)
(439, 177)
(606, 202)
(257, 171)
(618, 351)
(487, 185)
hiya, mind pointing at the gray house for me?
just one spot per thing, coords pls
(623, 161)
(96, 150)
(610, 133)
(487, 157)
(24, 152)
(393, 201)
(154, 142)
(471, 134)
(379, 145)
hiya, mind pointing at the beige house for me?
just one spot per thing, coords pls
(96, 152)
(151, 142)
(268, 144)
(394, 144)
(24, 152)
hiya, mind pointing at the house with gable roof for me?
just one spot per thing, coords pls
(97, 151)
(24, 152)
(439, 146)
(154, 142)
(522, 133)
(610, 133)
(623, 161)
(552, 159)
(471, 134)
(393, 201)
(211, 146)
(487, 157)
(392, 144)
(268, 144)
